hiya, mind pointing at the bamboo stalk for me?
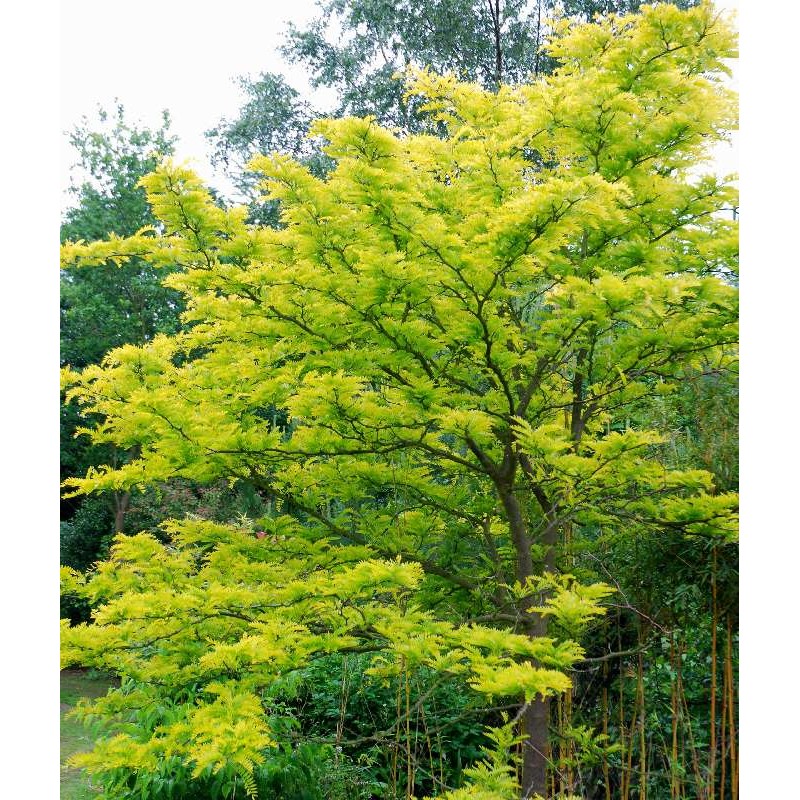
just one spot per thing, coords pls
(396, 747)
(642, 724)
(428, 741)
(629, 767)
(699, 782)
(674, 789)
(409, 760)
(606, 772)
(623, 778)
(712, 746)
(570, 743)
(343, 698)
(604, 701)
(732, 712)
(562, 754)
(623, 792)
(722, 736)
(680, 788)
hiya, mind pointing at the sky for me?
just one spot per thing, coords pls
(180, 55)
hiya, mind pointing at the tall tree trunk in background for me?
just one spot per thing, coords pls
(494, 11)
(122, 501)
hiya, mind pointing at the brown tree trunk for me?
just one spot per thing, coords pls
(122, 501)
(536, 749)
(536, 726)
(494, 12)
(536, 715)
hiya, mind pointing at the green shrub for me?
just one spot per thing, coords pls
(84, 540)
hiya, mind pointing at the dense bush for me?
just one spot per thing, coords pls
(84, 540)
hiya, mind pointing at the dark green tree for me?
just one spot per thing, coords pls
(109, 305)
(487, 41)
(112, 305)
(273, 118)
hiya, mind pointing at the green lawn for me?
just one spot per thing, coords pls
(74, 737)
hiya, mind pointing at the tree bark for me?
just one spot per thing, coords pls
(536, 714)
(536, 749)
(121, 502)
(494, 11)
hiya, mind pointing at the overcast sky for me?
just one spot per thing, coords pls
(184, 56)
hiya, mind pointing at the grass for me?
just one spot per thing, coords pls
(74, 737)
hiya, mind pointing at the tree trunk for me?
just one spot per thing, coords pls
(494, 12)
(535, 751)
(536, 714)
(536, 726)
(121, 502)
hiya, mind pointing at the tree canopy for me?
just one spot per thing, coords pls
(432, 368)
(360, 49)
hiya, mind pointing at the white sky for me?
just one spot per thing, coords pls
(184, 55)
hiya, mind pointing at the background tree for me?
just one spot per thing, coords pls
(358, 47)
(115, 305)
(111, 305)
(274, 118)
(108, 306)
(488, 42)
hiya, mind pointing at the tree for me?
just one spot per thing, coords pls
(489, 42)
(274, 118)
(455, 330)
(109, 305)
(106, 307)
(358, 47)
